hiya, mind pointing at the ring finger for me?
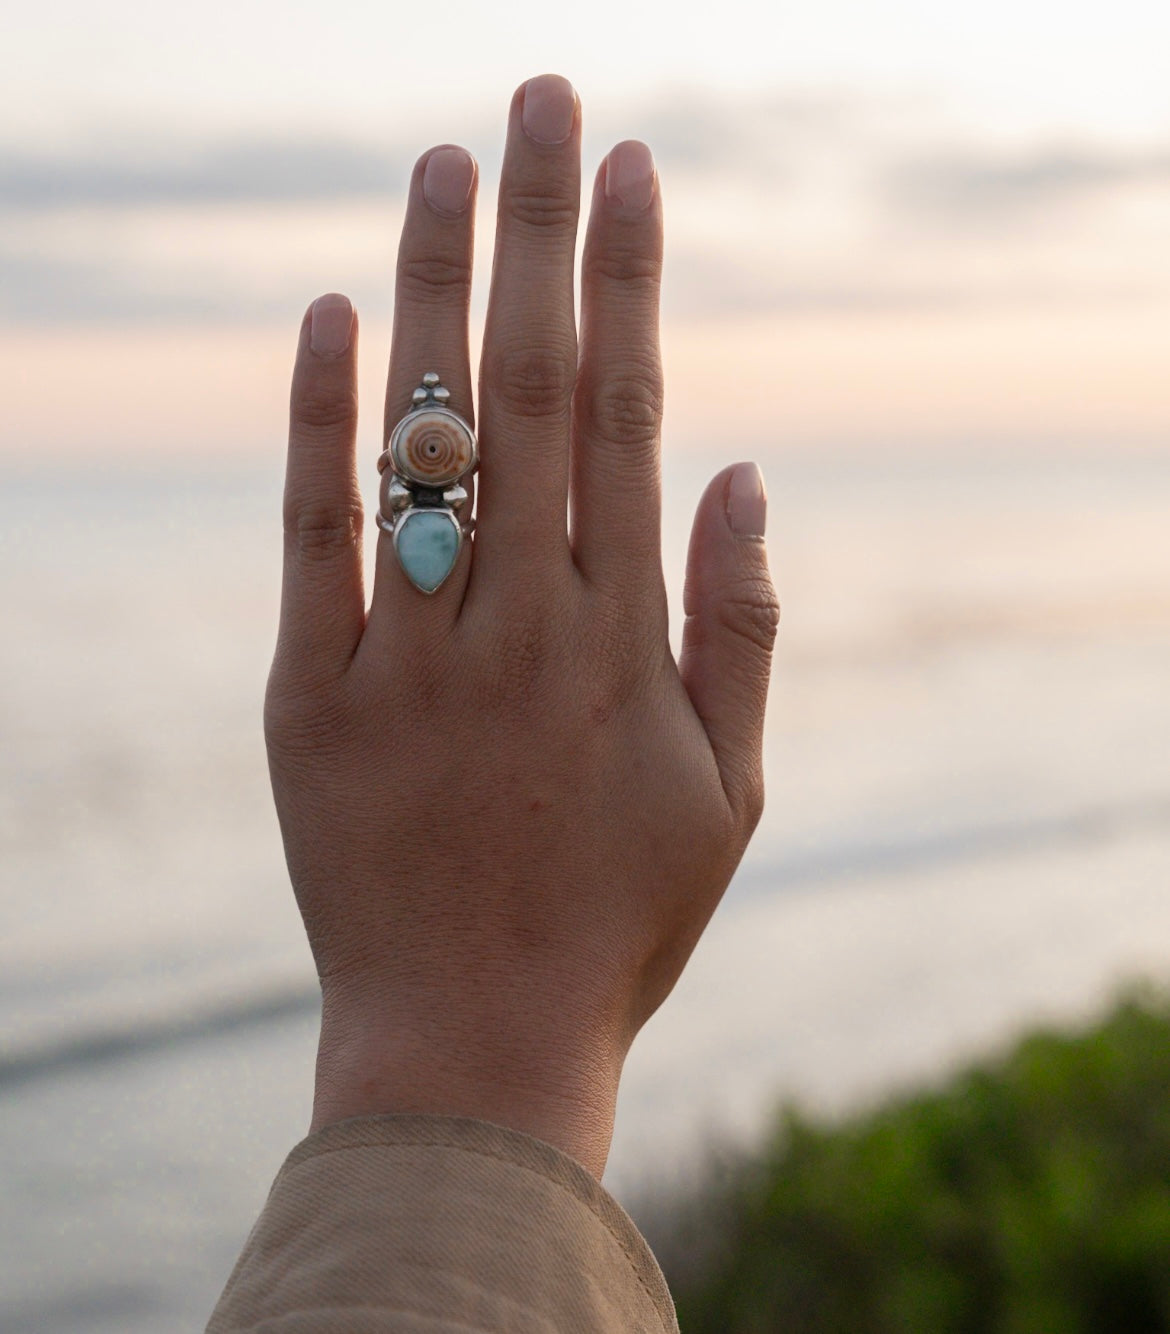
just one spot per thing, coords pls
(432, 295)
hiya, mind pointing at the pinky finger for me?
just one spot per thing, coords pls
(322, 607)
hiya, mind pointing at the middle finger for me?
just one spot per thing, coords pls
(530, 341)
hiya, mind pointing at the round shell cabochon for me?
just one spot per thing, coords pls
(433, 447)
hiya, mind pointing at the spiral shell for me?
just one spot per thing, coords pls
(433, 447)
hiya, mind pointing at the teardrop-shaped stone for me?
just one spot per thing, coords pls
(427, 542)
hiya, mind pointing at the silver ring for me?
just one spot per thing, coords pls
(430, 454)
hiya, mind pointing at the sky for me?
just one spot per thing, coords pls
(916, 223)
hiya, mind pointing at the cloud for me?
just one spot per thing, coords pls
(959, 183)
(691, 129)
(701, 284)
(688, 130)
(779, 205)
(256, 171)
(47, 289)
(898, 150)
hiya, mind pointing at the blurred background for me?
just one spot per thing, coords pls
(917, 267)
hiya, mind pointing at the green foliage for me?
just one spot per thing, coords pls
(1030, 1196)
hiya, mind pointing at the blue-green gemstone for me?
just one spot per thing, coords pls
(427, 542)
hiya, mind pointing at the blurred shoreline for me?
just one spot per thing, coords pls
(967, 832)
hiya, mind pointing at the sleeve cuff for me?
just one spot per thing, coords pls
(437, 1224)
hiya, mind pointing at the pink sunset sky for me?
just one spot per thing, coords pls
(935, 225)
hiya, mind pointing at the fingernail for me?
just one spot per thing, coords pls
(629, 175)
(447, 180)
(331, 325)
(747, 504)
(549, 104)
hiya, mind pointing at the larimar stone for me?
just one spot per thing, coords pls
(427, 542)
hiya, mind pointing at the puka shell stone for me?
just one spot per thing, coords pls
(433, 447)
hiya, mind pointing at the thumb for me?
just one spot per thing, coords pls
(731, 619)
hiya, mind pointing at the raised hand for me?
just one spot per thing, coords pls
(508, 813)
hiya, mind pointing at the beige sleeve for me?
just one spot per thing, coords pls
(440, 1225)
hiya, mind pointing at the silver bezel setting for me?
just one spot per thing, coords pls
(400, 523)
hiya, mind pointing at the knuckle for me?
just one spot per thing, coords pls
(429, 278)
(320, 530)
(303, 718)
(516, 666)
(629, 629)
(323, 409)
(619, 678)
(627, 409)
(750, 610)
(751, 803)
(521, 661)
(533, 381)
(541, 211)
(629, 264)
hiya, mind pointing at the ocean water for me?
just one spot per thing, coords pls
(968, 831)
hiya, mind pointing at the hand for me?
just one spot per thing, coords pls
(508, 815)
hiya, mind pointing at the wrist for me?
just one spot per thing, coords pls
(557, 1088)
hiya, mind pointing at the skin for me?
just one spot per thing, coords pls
(508, 813)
